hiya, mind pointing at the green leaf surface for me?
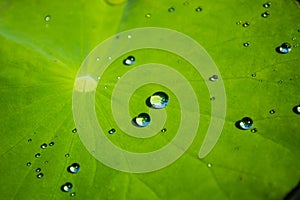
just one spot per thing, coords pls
(39, 60)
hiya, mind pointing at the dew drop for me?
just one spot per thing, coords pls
(265, 14)
(97, 59)
(142, 120)
(245, 123)
(67, 187)
(254, 130)
(46, 162)
(199, 9)
(51, 144)
(213, 78)
(73, 194)
(74, 130)
(28, 164)
(29, 140)
(246, 24)
(284, 48)
(37, 155)
(171, 9)
(239, 22)
(294, 38)
(44, 146)
(246, 44)
(296, 45)
(129, 36)
(40, 175)
(67, 155)
(130, 60)
(163, 130)
(272, 111)
(109, 57)
(209, 165)
(148, 15)
(159, 100)
(296, 109)
(253, 75)
(38, 170)
(112, 131)
(267, 5)
(47, 18)
(212, 98)
(74, 168)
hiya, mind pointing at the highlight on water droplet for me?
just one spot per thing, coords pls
(209, 165)
(213, 78)
(67, 155)
(51, 144)
(272, 111)
(265, 14)
(148, 15)
(47, 18)
(246, 44)
(73, 194)
(246, 24)
(296, 109)
(267, 5)
(38, 170)
(163, 130)
(112, 131)
(254, 130)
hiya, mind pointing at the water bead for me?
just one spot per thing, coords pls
(130, 60)
(28, 164)
(67, 155)
(246, 44)
(296, 109)
(246, 24)
(37, 155)
(267, 5)
(163, 130)
(284, 48)
(265, 14)
(44, 146)
(272, 111)
(246, 123)
(47, 18)
(40, 175)
(254, 130)
(51, 143)
(74, 168)
(38, 170)
(29, 140)
(199, 9)
(148, 15)
(172, 9)
(74, 130)
(67, 187)
(112, 131)
(214, 78)
(209, 165)
(73, 194)
(159, 100)
(142, 120)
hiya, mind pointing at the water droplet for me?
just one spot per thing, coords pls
(38, 170)
(46, 162)
(44, 146)
(28, 164)
(253, 75)
(284, 48)
(246, 24)
(40, 175)
(254, 130)
(159, 100)
(148, 15)
(246, 44)
(246, 123)
(129, 36)
(239, 22)
(67, 155)
(112, 131)
(73, 194)
(209, 165)
(296, 109)
(109, 57)
(272, 111)
(212, 98)
(172, 9)
(265, 14)
(267, 5)
(37, 155)
(98, 77)
(142, 120)
(130, 60)
(280, 81)
(97, 59)
(74, 130)
(294, 38)
(213, 78)
(74, 168)
(47, 18)
(29, 140)
(199, 9)
(51, 144)
(296, 45)
(163, 130)
(67, 187)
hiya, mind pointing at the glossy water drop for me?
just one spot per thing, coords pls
(51, 144)
(246, 123)
(209, 165)
(246, 44)
(163, 130)
(74, 130)
(246, 24)
(142, 120)
(74, 168)
(129, 36)
(296, 109)
(46, 162)
(199, 9)
(284, 48)
(44, 146)
(28, 164)
(112, 131)
(294, 38)
(67, 155)
(253, 75)
(73, 194)
(239, 22)
(159, 100)
(254, 130)
(148, 15)
(47, 18)
(38, 170)
(213, 78)
(97, 59)
(130, 60)
(29, 140)
(272, 111)
(265, 14)
(212, 98)
(267, 5)
(295, 45)
(172, 9)
(37, 155)
(40, 175)
(67, 187)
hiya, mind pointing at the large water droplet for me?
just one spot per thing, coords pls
(40, 175)
(245, 123)
(159, 100)
(67, 187)
(130, 60)
(296, 109)
(37, 155)
(142, 120)
(74, 168)
(112, 131)
(284, 48)
(44, 146)
(265, 14)
(47, 18)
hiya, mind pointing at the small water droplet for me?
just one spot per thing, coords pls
(129, 36)
(46, 162)
(112, 131)
(284, 48)
(267, 5)
(73, 194)
(97, 59)
(119, 77)
(296, 109)
(272, 111)
(130, 60)
(163, 130)
(28, 164)
(246, 24)
(296, 45)
(265, 14)
(186, 3)
(246, 123)
(172, 9)
(294, 38)
(246, 44)
(37, 155)
(67, 155)
(199, 9)
(38, 170)
(47, 18)
(40, 175)
(98, 77)
(51, 144)
(212, 98)
(209, 165)
(67, 187)
(253, 75)
(105, 87)
(148, 15)
(213, 78)
(254, 130)
(239, 22)
(74, 168)
(280, 81)
(29, 140)
(44, 146)
(74, 130)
